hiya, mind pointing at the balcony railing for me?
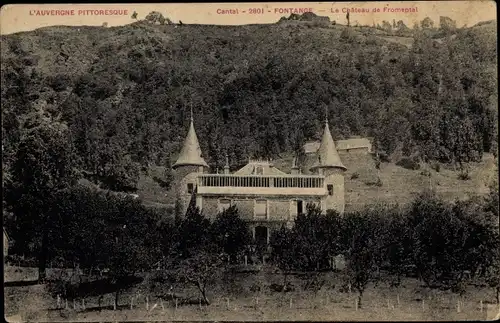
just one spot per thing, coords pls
(223, 180)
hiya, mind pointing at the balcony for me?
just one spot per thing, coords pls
(224, 184)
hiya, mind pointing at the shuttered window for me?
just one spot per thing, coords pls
(261, 209)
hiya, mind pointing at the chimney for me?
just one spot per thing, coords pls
(226, 167)
(295, 168)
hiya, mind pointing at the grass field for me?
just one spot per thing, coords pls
(233, 299)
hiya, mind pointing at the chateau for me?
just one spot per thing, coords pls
(265, 196)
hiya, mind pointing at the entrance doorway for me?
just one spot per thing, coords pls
(300, 207)
(261, 235)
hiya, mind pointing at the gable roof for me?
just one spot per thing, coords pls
(251, 168)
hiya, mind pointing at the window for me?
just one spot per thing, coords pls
(190, 188)
(260, 210)
(224, 204)
(330, 189)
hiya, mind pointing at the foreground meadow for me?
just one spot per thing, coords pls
(249, 296)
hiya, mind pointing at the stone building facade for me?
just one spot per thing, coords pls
(265, 196)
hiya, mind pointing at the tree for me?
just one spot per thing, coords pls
(193, 234)
(106, 230)
(460, 138)
(134, 15)
(195, 258)
(132, 239)
(447, 25)
(398, 246)
(386, 26)
(401, 27)
(449, 240)
(282, 245)
(427, 23)
(200, 270)
(316, 238)
(44, 165)
(230, 233)
(155, 17)
(361, 254)
(493, 274)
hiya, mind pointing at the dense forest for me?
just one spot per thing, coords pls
(118, 99)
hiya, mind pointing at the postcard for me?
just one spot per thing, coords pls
(279, 161)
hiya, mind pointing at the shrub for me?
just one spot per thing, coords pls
(355, 175)
(426, 173)
(378, 182)
(348, 35)
(409, 163)
(464, 175)
(436, 167)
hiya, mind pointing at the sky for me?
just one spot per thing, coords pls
(26, 17)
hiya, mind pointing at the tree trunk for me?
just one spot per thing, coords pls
(498, 294)
(203, 293)
(116, 297)
(205, 298)
(359, 298)
(42, 260)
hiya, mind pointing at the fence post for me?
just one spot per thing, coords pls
(147, 303)
(83, 303)
(399, 303)
(227, 302)
(481, 306)
(246, 260)
(356, 304)
(291, 302)
(423, 305)
(176, 301)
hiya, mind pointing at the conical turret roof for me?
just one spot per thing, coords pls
(191, 152)
(327, 155)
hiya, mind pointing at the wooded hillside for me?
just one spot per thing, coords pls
(256, 90)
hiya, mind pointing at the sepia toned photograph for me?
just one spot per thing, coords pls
(292, 161)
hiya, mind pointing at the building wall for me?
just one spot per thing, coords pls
(210, 207)
(279, 209)
(245, 208)
(336, 201)
(357, 150)
(183, 176)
